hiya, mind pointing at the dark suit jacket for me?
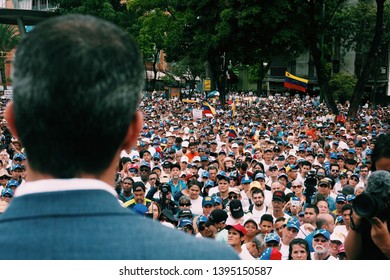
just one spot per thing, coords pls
(90, 224)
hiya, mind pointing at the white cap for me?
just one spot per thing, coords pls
(235, 145)
(185, 144)
(196, 158)
(184, 159)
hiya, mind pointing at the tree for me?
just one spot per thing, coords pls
(9, 38)
(369, 61)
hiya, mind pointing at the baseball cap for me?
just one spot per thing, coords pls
(271, 254)
(322, 232)
(246, 180)
(196, 158)
(217, 199)
(16, 166)
(201, 219)
(272, 237)
(238, 227)
(341, 198)
(234, 190)
(184, 159)
(185, 213)
(279, 195)
(205, 174)
(223, 175)
(260, 175)
(185, 222)
(216, 216)
(138, 186)
(7, 191)
(140, 209)
(12, 183)
(236, 210)
(293, 223)
(207, 200)
(253, 221)
(347, 190)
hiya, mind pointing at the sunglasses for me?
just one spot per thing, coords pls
(7, 196)
(133, 170)
(185, 205)
(3, 177)
(233, 196)
(320, 240)
(201, 227)
(296, 187)
(145, 169)
(354, 179)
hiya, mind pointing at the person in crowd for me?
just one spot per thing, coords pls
(81, 88)
(299, 250)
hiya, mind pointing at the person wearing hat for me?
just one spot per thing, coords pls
(236, 213)
(185, 224)
(204, 231)
(222, 190)
(144, 172)
(290, 232)
(167, 218)
(4, 177)
(324, 188)
(341, 200)
(139, 196)
(278, 203)
(236, 236)
(84, 96)
(272, 240)
(321, 245)
(217, 219)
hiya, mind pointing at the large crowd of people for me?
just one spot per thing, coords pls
(90, 170)
(273, 177)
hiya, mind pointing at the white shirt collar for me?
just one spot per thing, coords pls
(56, 185)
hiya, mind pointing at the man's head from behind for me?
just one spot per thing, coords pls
(78, 78)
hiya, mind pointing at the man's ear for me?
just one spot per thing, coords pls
(133, 131)
(10, 118)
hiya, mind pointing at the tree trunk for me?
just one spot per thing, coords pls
(323, 74)
(369, 62)
(2, 73)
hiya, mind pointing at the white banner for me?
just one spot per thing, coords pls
(197, 113)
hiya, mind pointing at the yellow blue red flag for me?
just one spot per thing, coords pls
(294, 82)
(208, 109)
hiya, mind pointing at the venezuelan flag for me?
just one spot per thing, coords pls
(294, 82)
(208, 109)
(232, 132)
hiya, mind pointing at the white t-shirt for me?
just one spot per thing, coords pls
(196, 206)
(245, 255)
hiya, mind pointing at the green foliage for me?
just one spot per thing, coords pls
(341, 86)
(9, 38)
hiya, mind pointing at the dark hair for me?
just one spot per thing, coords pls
(381, 149)
(299, 241)
(80, 89)
(316, 210)
(267, 217)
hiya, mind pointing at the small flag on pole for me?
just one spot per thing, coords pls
(294, 82)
